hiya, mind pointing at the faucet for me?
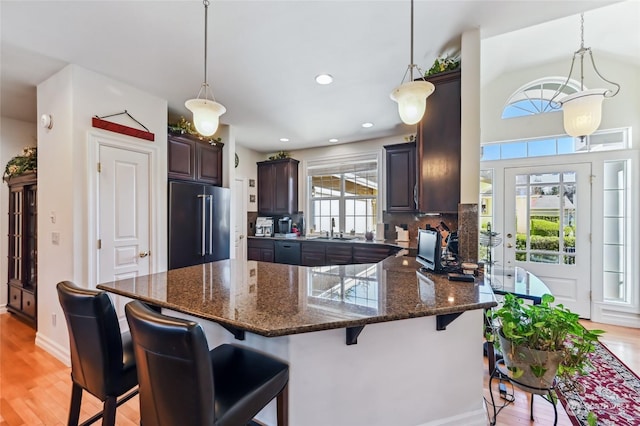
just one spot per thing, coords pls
(333, 225)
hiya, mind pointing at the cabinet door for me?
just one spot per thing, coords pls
(313, 254)
(181, 158)
(340, 254)
(278, 187)
(401, 178)
(286, 188)
(267, 255)
(209, 164)
(370, 254)
(439, 147)
(266, 188)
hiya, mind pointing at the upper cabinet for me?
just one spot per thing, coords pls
(402, 189)
(190, 158)
(278, 187)
(438, 147)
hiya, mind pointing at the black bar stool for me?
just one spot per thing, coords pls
(102, 360)
(183, 383)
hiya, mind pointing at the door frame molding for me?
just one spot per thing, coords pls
(240, 216)
(96, 140)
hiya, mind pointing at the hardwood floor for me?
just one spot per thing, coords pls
(35, 388)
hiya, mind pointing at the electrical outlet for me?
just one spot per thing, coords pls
(55, 238)
(53, 319)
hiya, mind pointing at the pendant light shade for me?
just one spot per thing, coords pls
(582, 112)
(206, 113)
(412, 95)
(412, 100)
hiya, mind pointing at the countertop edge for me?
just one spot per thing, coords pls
(309, 328)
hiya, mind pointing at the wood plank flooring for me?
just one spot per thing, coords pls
(35, 388)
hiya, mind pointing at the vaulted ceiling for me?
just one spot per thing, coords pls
(264, 55)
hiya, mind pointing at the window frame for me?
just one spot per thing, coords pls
(367, 156)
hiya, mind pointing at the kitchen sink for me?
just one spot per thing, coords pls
(333, 238)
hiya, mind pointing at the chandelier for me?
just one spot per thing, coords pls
(412, 95)
(206, 113)
(582, 111)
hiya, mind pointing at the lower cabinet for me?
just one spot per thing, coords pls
(340, 254)
(371, 254)
(316, 253)
(313, 254)
(261, 250)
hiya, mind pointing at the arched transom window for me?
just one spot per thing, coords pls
(539, 97)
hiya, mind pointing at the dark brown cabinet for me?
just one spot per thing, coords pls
(278, 187)
(402, 189)
(261, 250)
(192, 159)
(372, 254)
(438, 147)
(313, 254)
(23, 244)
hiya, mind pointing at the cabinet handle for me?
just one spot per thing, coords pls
(210, 224)
(415, 195)
(204, 223)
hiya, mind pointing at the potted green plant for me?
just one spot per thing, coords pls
(20, 164)
(540, 342)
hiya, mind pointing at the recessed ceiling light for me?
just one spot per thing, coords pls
(324, 79)
(367, 125)
(333, 140)
(284, 139)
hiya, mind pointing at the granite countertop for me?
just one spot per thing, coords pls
(273, 299)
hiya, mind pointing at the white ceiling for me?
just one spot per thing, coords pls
(264, 55)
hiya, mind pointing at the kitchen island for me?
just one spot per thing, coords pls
(367, 344)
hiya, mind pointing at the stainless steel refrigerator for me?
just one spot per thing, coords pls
(198, 224)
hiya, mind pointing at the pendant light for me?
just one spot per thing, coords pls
(412, 95)
(206, 113)
(582, 111)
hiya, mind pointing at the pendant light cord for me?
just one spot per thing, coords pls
(411, 64)
(206, 37)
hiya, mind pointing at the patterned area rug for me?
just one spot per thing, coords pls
(612, 393)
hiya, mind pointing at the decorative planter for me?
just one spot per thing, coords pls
(529, 360)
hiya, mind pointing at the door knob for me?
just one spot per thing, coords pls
(241, 237)
(144, 254)
(509, 245)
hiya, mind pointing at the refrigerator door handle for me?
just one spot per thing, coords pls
(210, 224)
(204, 223)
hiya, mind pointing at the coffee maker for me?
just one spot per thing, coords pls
(284, 225)
(264, 226)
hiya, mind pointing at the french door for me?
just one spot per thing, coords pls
(547, 229)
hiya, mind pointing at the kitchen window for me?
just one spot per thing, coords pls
(343, 198)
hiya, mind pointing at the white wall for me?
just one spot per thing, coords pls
(14, 136)
(619, 111)
(72, 97)
(248, 169)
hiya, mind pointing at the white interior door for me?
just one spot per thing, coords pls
(547, 229)
(124, 216)
(240, 230)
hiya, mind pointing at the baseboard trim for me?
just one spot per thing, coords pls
(604, 314)
(3, 309)
(59, 352)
